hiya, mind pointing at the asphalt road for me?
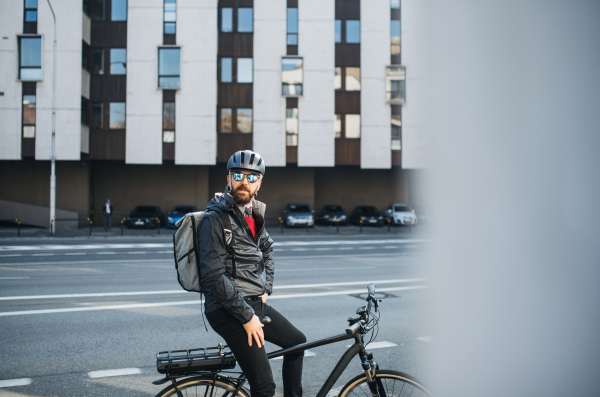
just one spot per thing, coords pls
(86, 317)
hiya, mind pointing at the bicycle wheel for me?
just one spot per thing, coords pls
(203, 386)
(390, 384)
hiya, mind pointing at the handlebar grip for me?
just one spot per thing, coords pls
(371, 289)
(266, 320)
(351, 330)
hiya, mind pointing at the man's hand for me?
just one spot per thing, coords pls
(264, 297)
(254, 329)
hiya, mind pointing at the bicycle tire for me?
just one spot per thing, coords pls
(393, 384)
(201, 386)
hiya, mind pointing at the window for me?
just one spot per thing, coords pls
(170, 16)
(118, 10)
(337, 79)
(396, 127)
(168, 67)
(337, 125)
(85, 114)
(244, 20)
(30, 58)
(352, 31)
(395, 32)
(29, 116)
(395, 36)
(97, 10)
(352, 126)
(30, 11)
(98, 60)
(97, 119)
(226, 120)
(338, 31)
(244, 120)
(396, 84)
(169, 122)
(291, 127)
(117, 115)
(292, 26)
(85, 56)
(226, 71)
(291, 76)
(226, 20)
(352, 79)
(244, 70)
(118, 61)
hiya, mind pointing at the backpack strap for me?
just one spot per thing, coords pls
(227, 236)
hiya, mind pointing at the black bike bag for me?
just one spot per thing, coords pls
(184, 362)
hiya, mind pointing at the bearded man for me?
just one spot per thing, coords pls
(237, 268)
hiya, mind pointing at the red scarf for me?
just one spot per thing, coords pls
(250, 222)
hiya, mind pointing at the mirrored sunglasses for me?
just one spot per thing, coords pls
(251, 178)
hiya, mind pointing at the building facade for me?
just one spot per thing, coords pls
(153, 96)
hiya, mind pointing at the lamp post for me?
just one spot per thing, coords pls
(53, 158)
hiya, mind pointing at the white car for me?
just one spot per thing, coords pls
(401, 214)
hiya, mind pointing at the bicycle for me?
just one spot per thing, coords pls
(199, 372)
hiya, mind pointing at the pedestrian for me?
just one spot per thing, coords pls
(237, 279)
(107, 211)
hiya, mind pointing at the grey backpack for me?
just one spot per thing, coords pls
(187, 250)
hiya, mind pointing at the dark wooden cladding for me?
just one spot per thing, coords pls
(292, 50)
(107, 145)
(232, 95)
(347, 9)
(347, 102)
(99, 36)
(118, 34)
(244, 3)
(236, 45)
(395, 15)
(347, 151)
(169, 39)
(396, 60)
(99, 88)
(396, 157)
(347, 54)
(291, 154)
(28, 88)
(27, 147)
(169, 95)
(227, 144)
(291, 103)
(292, 3)
(118, 88)
(30, 27)
(168, 151)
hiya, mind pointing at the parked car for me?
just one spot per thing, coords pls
(298, 215)
(145, 216)
(401, 214)
(368, 214)
(177, 213)
(332, 215)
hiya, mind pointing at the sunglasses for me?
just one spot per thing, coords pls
(238, 176)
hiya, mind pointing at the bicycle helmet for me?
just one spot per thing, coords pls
(246, 160)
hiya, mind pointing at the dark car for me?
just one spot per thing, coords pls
(177, 213)
(145, 216)
(298, 215)
(332, 215)
(368, 214)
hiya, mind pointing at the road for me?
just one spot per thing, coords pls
(86, 317)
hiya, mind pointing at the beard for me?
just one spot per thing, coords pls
(241, 196)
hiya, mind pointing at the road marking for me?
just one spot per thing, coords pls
(12, 278)
(137, 252)
(307, 353)
(105, 253)
(45, 254)
(425, 338)
(379, 345)
(366, 248)
(76, 253)
(7, 255)
(15, 382)
(181, 291)
(195, 302)
(114, 372)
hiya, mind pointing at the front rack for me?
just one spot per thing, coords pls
(190, 361)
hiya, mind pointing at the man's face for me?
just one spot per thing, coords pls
(243, 191)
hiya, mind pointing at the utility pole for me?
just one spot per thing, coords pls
(53, 158)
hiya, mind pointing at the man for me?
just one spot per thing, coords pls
(237, 284)
(107, 211)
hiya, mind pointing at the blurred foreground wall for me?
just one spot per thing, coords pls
(513, 99)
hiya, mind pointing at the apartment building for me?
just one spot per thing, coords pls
(153, 96)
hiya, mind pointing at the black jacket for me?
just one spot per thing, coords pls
(253, 258)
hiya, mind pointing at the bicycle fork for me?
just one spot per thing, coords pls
(370, 367)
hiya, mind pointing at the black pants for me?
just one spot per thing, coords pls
(107, 221)
(253, 360)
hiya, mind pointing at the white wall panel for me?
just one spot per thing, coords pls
(270, 23)
(144, 99)
(196, 101)
(316, 44)
(414, 142)
(376, 135)
(68, 81)
(11, 21)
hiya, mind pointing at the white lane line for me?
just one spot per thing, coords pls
(181, 291)
(45, 254)
(425, 338)
(366, 248)
(194, 302)
(307, 353)
(379, 345)
(7, 255)
(75, 253)
(114, 372)
(15, 382)
(105, 253)
(12, 278)
(137, 252)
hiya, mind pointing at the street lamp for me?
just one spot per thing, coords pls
(53, 158)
